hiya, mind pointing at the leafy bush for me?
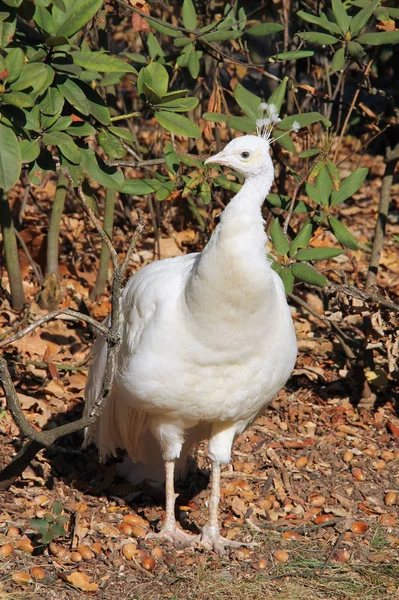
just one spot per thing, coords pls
(60, 109)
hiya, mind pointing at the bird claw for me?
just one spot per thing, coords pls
(172, 533)
(211, 539)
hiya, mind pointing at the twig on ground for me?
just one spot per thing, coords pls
(332, 552)
(355, 292)
(78, 316)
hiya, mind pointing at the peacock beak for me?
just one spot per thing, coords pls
(218, 159)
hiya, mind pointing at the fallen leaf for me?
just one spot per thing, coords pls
(80, 581)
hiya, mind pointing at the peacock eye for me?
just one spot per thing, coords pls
(244, 154)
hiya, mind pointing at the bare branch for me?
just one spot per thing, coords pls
(94, 220)
(53, 315)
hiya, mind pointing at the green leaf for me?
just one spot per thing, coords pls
(10, 158)
(60, 124)
(304, 120)
(13, 3)
(355, 50)
(98, 109)
(361, 18)
(154, 48)
(159, 78)
(284, 202)
(18, 99)
(338, 61)
(205, 192)
(72, 152)
(171, 158)
(55, 138)
(33, 75)
(137, 187)
(111, 144)
(52, 102)
(189, 15)
(244, 124)
(81, 129)
(340, 14)
(342, 234)
(7, 30)
(376, 39)
(100, 172)
(43, 164)
(323, 39)
(302, 238)
(308, 274)
(314, 193)
(30, 150)
(179, 105)
(44, 21)
(222, 35)
(14, 62)
(279, 240)
(324, 185)
(57, 40)
(226, 184)
(288, 279)
(277, 97)
(291, 55)
(318, 253)
(123, 133)
(56, 508)
(164, 28)
(285, 141)
(76, 16)
(248, 102)
(74, 95)
(309, 153)
(193, 63)
(182, 41)
(334, 174)
(349, 186)
(75, 171)
(324, 23)
(138, 58)
(178, 124)
(265, 29)
(101, 62)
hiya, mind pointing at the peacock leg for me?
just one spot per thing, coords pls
(170, 530)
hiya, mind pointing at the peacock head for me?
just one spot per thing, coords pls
(248, 155)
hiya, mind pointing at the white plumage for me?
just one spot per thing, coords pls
(207, 342)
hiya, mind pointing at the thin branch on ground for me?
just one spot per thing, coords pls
(349, 290)
(74, 314)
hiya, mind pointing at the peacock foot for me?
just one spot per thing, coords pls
(211, 539)
(172, 533)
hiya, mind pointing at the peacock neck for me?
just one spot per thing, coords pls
(232, 269)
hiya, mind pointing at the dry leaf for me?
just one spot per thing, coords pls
(238, 506)
(81, 581)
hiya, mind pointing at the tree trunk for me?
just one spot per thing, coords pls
(54, 228)
(11, 253)
(392, 157)
(102, 275)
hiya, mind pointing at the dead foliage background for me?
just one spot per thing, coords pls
(315, 480)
